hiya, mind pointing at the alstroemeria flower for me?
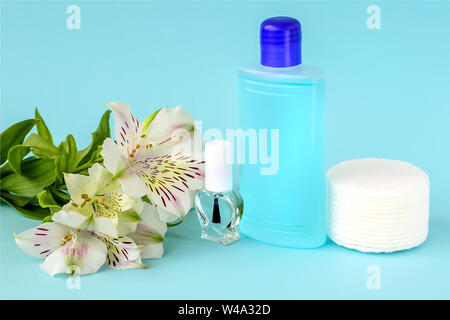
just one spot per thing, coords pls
(98, 204)
(75, 251)
(150, 233)
(156, 158)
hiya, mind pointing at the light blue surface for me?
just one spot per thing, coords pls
(388, 96)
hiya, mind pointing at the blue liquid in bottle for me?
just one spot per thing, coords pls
(286, 206)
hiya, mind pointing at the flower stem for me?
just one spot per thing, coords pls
(87, 165)
(175, 223)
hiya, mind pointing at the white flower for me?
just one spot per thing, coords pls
(150, 233)
(106, 221)
(76, 251)
(151, 158)
(98, 204)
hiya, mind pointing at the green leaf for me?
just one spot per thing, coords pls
(47, 219)
(95, 155)
(60, 165)
(98, 136)
(82, 155)
(36, 176)
(15, 156)
(71, 153)
(46, 200)
(148, 121)
(14, 135)
(68, 161)
(29, 211)
(42, 127)
(41, 147)
(17, 200)
(6, 169)
(64, 197)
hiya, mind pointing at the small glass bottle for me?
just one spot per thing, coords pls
(219, 208)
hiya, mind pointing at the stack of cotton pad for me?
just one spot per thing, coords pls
(377, 205)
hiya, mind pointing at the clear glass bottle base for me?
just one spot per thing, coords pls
(219, 214)
(223, 239)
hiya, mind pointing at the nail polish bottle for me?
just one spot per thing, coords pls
(284, 203)
(219, 208)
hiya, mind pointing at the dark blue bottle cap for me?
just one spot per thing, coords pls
(281, 39)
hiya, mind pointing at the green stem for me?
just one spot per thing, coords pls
(86, 166)
(62, 195)
(175, 223)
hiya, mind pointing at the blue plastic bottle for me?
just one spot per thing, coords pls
(285, 208)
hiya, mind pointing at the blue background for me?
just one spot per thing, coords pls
(388, 96)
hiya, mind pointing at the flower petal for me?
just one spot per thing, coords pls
(169, 180)
(150, 232)
(126, 129)
(78, 184)
(183, 139)
(106, 225)
(166, 216)
(121, 201)
(123, 253)
(133, 185)
(128, 221)
(168, 123)
(181, 142)
(70, 216)
(113, 159)
(41, 241)
(103, 180)
(152, 251)
(117, 165)
(82, 255)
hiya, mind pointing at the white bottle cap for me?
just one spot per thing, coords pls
(218, 169)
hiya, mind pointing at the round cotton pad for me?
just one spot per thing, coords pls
(377, 205)
(377, 178)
